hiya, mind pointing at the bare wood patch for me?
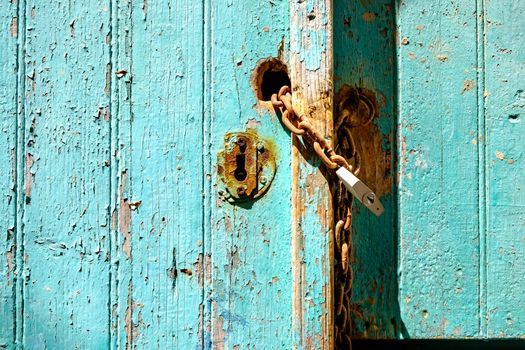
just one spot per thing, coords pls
(13, 28)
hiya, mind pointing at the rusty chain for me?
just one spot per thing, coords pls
(299, 125)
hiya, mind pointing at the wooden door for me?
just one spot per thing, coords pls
(116, 230)
(112, 116)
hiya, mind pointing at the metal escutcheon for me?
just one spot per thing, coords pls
(245, 167)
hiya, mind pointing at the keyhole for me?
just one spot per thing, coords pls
(240, 171)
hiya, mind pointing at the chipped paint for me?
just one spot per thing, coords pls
(29, 176)
(13, 28)
(310, 73)
(124, 216)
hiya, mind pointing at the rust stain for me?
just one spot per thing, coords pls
(13, 28)
(362, 106)
(375, 162)
(125, 216)
(29, 177)
(369, 17)
(442, 57)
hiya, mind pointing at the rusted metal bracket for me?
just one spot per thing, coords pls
(245, 166)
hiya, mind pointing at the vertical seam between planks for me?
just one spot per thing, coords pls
(129, 50)
(399, 163)
(111, 205)
(207, 89)
(114, 113)
(297, 282)
(396, 165)
(482, 164)
(205, 170)
(20, 164)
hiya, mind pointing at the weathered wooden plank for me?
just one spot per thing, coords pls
(439, 197)
(120, 88)
(249, 301)
(65, 222)
(311, 74)
(504, 70)
(364, 57)
(8, 121)
(161, 175)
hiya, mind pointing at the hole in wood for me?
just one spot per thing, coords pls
(268, 77)
(514, 118)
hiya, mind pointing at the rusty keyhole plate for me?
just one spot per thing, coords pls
(245, 166)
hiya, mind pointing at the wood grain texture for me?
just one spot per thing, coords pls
(311, 64)
(164, 176)
(439, 196)
(64, 154)
(119, 88)
(364, 57)
(8, 140)
(248, 246)
(111, 117)
(504, 70)
(461, 217)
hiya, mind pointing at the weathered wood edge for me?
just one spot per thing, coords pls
(120, 110)
(311, 75)
(20, 175)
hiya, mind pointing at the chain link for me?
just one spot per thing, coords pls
(299, 125)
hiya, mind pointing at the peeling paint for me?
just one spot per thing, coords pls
(128, 317)
(28, 177)
(13, 28)
(125, 216)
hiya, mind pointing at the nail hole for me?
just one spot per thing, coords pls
(187, 272)
(268, 77)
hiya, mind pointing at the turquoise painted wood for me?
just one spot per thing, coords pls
(113, 232)
(8, 181)
(504, 159)
(247, 255)
(460, 102)
(62, 222)
(113, 113)
(364, 57)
